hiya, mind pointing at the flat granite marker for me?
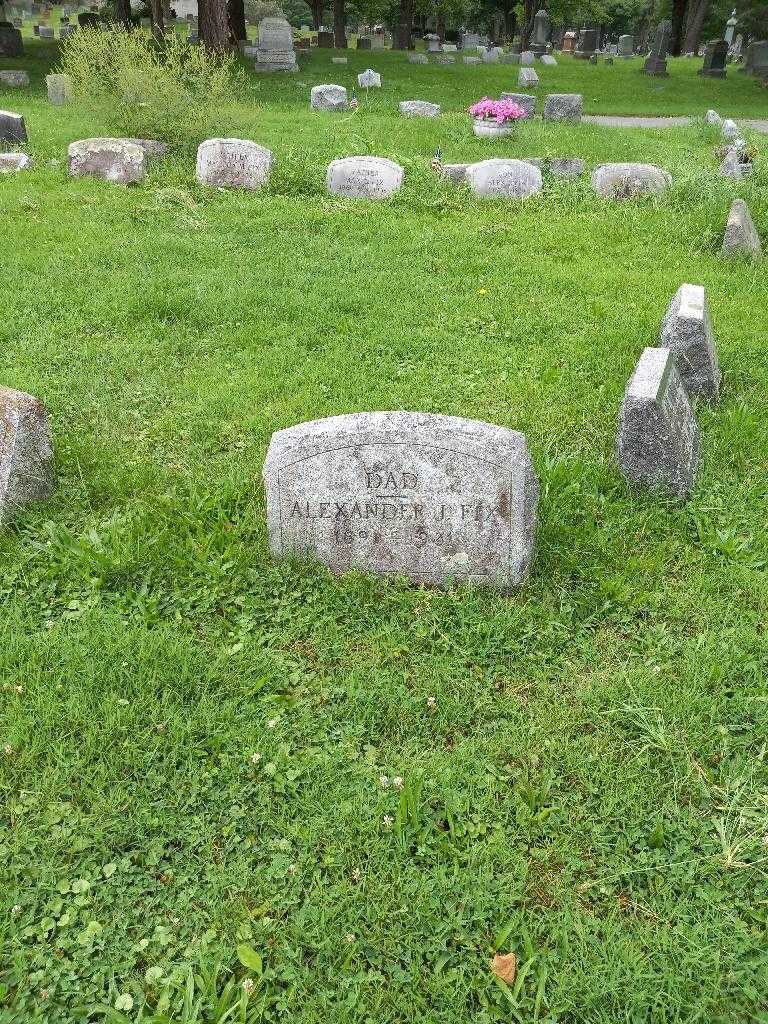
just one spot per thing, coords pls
(687, 331)
(430, 497)
(658, 439)
(26, 453)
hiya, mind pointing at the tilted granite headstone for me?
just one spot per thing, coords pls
(26, 453)
(233, 163)
(658, 438)
(364, 177)
(434, 498)
(12, 127)
(687, 331)
(656, 63)
(740, 232)
(275, 50)
(715, 57)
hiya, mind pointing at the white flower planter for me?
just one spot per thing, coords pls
(491, 129)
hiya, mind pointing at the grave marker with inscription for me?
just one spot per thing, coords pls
(658, 439)
(433, 498)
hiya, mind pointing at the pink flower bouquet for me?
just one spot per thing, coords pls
(500, 111)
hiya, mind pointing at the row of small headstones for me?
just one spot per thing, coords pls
(737, 162)
(432, 497)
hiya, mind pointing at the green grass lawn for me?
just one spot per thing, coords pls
(196, 734)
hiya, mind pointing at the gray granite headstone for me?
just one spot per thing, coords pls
(10, 162)
(364, 177)
(118, 160)
(687, 331)
(563, 106)
(626, 181)
(715, 57)
(626, 46)
(60, 90)
(419, 108)
(26, 453)
(433, 498)
(12, 127)
(275, 50)
(740, 233)
(328, 97)
(658, 438)
(522, 99)
(527, 78)
(233, 163)
(14, 79)
(11, 42)
(656, 62)
(587, 44)
(503, 179)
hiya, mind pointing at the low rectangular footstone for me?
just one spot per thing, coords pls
(563, 106)
(26, 453)
(658, 438)
(687, 331)
(437, 499)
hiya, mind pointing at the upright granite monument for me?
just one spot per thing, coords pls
(626, 46)
(656, 62)
(433, 498)
(587, 45)
(542, 30)
(715, 57)
(275, 51)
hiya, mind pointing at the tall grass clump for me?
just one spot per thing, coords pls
(168, 90)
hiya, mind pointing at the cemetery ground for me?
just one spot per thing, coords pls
(349, 793)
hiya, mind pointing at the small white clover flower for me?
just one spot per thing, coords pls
(248, 986)
(383, 781)
(255, 758)
(397, 782)
(349, 937)
(388, 820)
(272, 723)
(431, 702)
(7, 749)
(15, 910)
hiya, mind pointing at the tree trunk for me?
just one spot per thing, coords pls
(529, 13)
(123, 11)
(440, 24)
(510, 25)
(317, 7)
(678, 20)
(697, 15)
(213, 24)
(236, 15)
(340, 24)
(402, 35)
(158, 22)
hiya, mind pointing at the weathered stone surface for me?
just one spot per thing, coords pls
(369, 79)
(419, 108)
(563, 106)
(339, 60)
(14, 79)
(510, 58)
(658, 438)
(472, 60)
(566, 167)
(587, 44)
(734, 165)
(687, 331)
(10, 162)
(548, 60)
(275, 50)
(527, 57)
(712, 117)
(328, 97)
(233, 163)
(715, 56)
(729, 129)
(12, 127)
(46, 32)
(456, 173)
(656, 62)
(434, 498)
(117, 160)
(626, 46)
(624, 181)
(418, 58)
(26, 453)
(740, 232)
(364, 177)
(535, 161)
(60, 89)
(506, 179)
(151, 147)
(522, 99)
(491, 55)
(527, 78)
